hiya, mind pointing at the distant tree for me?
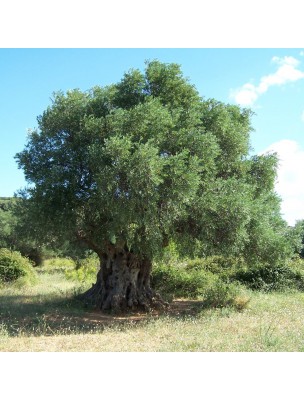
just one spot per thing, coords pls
(7, 221)
(125, 168)
(14, 234)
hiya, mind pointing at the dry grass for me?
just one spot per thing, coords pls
(45, 318)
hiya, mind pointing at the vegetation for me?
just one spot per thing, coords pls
(180, 282)
(269, 278)
(86, 270)
(298, 234)
(13, 235)
(46, 317)
(128, 168)
(14, 267)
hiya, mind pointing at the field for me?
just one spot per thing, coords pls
(46, 317)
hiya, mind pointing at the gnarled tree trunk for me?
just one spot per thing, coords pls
(123, 282)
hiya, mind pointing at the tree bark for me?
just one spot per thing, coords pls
(123, 283)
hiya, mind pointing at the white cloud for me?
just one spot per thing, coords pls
(245, 96)
(287, 72)
(290, 179)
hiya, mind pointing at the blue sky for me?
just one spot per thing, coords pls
(269, 81)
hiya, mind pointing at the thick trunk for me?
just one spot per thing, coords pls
(123, 282)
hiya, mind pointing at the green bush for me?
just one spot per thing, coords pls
(222, 294)
(258, 277)
(176, 281)
(223, 267)
(86, 271)
(191, 282)
(13, 267)
(296, 264)
(273, 277)
(296, 272)
(170, 253)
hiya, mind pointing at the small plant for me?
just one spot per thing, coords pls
(14, 267)
(220, 295)
(3, 330)
(241, 302)
(267, 336)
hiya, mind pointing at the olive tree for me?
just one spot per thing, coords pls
(125, 168)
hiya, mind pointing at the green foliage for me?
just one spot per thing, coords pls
(56, 265)
(273, 277)
(192, 282)
(7, 221)
(264, 277)
(169, 255)
(215, 264)
(268, 235)
(222, 294)
(297, 237)
(231, 127)
(296, 264)
(14, 267)
(224, 267)
(147, 161)
(14, 234)
(86, 270)
(262, 173)
(178, 282)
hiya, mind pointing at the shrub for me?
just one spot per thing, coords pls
(222, 294)
(223, 267)
(13, 267)
(296, 264)
(182, 281)
(86, 270)
(176, 281)
(257, 277)
(272, 277)
(170, 253)
(296, 267)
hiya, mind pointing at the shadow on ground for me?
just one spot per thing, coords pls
(36, 316)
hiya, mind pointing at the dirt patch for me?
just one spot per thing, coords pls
(177, 308)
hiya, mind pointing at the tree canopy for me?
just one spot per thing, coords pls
(127, 167)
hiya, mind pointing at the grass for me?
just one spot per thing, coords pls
(45, 317)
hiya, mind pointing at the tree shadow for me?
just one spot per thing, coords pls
(41, 315)
(38, 315)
